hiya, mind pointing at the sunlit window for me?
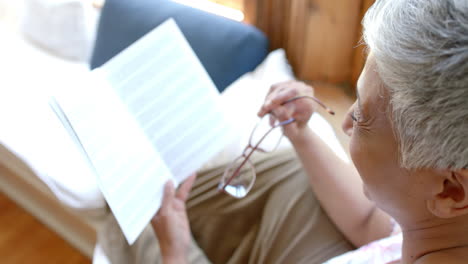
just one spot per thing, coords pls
(215, 8)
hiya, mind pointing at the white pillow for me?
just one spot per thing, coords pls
(65, 27)
(243, 98)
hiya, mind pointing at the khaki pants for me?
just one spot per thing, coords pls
(279, 221)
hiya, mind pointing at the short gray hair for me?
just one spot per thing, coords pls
(421, 51)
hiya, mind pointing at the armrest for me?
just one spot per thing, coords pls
(30, 129)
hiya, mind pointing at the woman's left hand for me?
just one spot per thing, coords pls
(276, 102)
(171, 222)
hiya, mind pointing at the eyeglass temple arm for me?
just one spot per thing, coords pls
(314, 99)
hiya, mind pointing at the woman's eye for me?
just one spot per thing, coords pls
(355, 115)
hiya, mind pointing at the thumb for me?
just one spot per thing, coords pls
(169, 193)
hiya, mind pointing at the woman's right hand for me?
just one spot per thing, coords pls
(171, 223)
(301, 110)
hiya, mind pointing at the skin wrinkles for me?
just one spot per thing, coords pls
(362, 121)
(420, 257)
(365, 125)
(432, 226)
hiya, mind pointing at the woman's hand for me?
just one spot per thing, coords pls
(301, 110)
(171, 222)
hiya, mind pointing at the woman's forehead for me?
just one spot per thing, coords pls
(370, 89)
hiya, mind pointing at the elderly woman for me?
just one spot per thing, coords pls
(409, 146)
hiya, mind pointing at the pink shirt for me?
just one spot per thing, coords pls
(382, 251)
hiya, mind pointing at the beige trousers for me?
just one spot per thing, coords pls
(279, 221)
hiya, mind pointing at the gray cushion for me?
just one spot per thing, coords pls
(226, 48)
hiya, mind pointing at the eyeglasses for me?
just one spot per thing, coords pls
(240, 175)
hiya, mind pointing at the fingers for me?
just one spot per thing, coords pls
(281, 93)
(283, 113)
(275, 100)
(168, 196)
(184, 190)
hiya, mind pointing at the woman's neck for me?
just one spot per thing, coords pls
(436, 238)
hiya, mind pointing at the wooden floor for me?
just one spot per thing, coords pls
(23, 239)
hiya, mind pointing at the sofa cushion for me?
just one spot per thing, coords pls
(226, 48)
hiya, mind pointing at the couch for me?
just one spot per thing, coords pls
(42, 170)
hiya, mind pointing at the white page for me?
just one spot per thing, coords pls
(148, 115)
(172, 97)
(130, 171)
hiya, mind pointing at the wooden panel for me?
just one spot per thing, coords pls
(359, 53)
(331, 30)
(236, 4)
(250, 12)
(297, 45)
(318, 35)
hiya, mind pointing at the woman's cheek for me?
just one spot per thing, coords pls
(354, 149)
(359, 160)
(357, 153)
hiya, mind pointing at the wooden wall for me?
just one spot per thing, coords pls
(236, 4)
(319, 36)
(359, 57)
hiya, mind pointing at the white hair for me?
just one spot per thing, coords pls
(421, 51)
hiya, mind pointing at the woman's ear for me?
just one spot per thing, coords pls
(451, 198)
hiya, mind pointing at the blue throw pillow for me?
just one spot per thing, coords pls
(226, 48)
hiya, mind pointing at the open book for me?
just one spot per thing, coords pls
(149, 115)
